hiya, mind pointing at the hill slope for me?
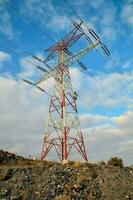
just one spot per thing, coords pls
(33, 180)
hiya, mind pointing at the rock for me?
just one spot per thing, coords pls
(5, 192)
(128, 197)
(16, 197)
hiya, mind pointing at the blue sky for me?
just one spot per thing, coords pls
(104, 121)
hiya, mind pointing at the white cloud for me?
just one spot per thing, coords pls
(104, 141)
(110, 26)
(24, 110)
(106, 22)
(107, 88)
(89, 120)
(96, 4)
(76, 75)
(99, 143)
(27, 69)
(127, 13)
(124, 123)
(125, 147)
(47, 15)
(5, 24)
(109, 32)
(60, 23)
(22, 117)
(128, 64)
(22, 120)
(130, 106)
(4, 57)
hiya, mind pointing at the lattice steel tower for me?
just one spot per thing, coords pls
(63, 130)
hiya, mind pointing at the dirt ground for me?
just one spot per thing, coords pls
(23, 179)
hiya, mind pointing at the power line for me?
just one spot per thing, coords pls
(100, 108)
(34, 65)
(98, 83)
(75, 13)
(27, 52)
(48, 36)
(97, 106)
(33, 24)
(103, 88)
(27, 20)
(116, 76)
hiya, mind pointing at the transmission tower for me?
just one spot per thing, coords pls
(63, 132)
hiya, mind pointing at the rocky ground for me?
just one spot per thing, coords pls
(23, 179)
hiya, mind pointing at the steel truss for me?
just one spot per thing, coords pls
(63, 132)
(63, 120)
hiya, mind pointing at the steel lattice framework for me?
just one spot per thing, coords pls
(62, 118)
(63, 132)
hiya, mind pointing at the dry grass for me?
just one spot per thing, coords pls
(62, 197)
(77, 165)
(23, 163)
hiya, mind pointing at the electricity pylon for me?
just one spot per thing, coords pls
(63, 132)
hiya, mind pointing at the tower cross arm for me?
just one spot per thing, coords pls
(72, 59)
(47, 75)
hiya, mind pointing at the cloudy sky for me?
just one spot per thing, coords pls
(105, 99)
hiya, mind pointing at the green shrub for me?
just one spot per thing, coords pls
(102, 163)
(118, 162)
